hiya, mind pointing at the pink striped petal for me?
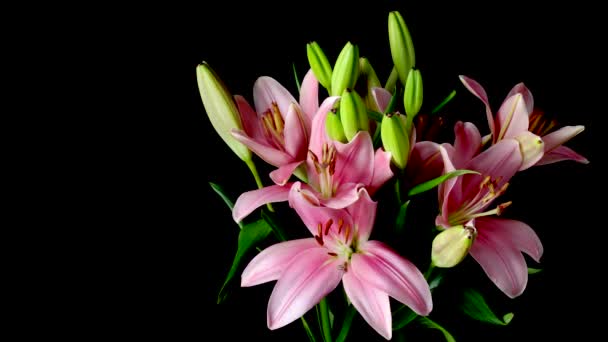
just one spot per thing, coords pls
(373, 304)
(309, 98)
(251, 200)
(251, 122)
(266, 91)
(425, 162)
(389, 272)
(512, 118)
(312, 275)
(466, 144)
(561, 136)
(561, 153)
(477, 90)
(363, 213)
(353, 160)
(382, 170)
(296, 137)
(281, 175)
(520, 88)
(382, 97)
(346, 195)
(516, 233)
(269, 264)
(270, 154)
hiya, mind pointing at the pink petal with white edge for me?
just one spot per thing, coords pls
(269, 154)
(312, 275)
(249, 118)
(373, 304)
(502, 262)
(267, 91)
(512, 118)
(346, 195)
(382, 170)
(389, 272)
(251, 200)
(382, 97)
(353, 160)
(309, 98)
(477, 90)
(425, 162)
(520, 88)
(308, 208)
(467, 143)
(269, 264)
(517, 233)
(363, 213)
(281, 175)
(561, 136)
(296, 137)
(561, 153)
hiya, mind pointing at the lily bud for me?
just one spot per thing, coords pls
(353, 114)
(412, 97)
(220, 108)
(319, 64)
(367, 80)
(452, 245)
(532, 149)
(395, 138)
(346, 69)
(402, 48)
(333, 126)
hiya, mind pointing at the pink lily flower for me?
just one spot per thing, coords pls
(498, 243)
(309, 269)
(278, 129)
(335, 171)
(514, 120)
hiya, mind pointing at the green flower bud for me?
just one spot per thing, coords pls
(367, 80)
(220, 108)
(395, 138)
(412, 97)
(346, 69)
(402, 48)
(353, 114)
(333, 126)
(452, 245)
(319, 64)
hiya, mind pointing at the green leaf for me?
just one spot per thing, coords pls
(476, 307)
(436, 280)
(311, 336)
(402, 317)
(374, 115)
(400, 221)
(274, 225)
(295, 75)
(220, 191)
(433, 325)
(249, 236)
(428, 185)
(534, 270)
(392, 104)
(348, 320)
(444, 102)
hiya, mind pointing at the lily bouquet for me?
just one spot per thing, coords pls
(364, 202)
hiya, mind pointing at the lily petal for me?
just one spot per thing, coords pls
(269, 264)
(477, 90)
(251, 122)
(520, 88)
(513, 232)
(445, 192)
(373, 304)
(532, 149)
(313, 274)
(296, 138)
(382, 170)
(269, 154)
(425, 162)
(346, 195)
(251, 200)
(466, 144)
(281, 175)
(318, 135)
(353, 160)
(309, 98)
(386, 270)
(266, 91)
(561, 136)
(382, 97)
(503, 263)
(363, 213)
(561, 153)
(512, 117)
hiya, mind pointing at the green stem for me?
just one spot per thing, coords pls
(429, 271)
(258, 180)
(309, 333)
(348, 319)
(325, 324)
(398, 190)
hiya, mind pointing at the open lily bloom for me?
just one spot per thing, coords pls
(335, 171)
(309, 269)
(514, 120)
(278, 129)
(498, 243)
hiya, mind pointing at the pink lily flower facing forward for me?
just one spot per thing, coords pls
(309, 269)
(498, 243)
(513, 120)
(335, 171)
(279, 128)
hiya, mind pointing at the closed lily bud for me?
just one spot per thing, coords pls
(220, 108)
(319, 64)
(532, 149)
(412, 97)
(402, 48)
(346, 69)
(333, 126)
(353, 114)
(395, 138)
(452, 245)
(366, 81)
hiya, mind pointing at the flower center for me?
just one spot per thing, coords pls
(540, 124)
(325, 169)
(273, 125)
(338, 238)
(472, 208)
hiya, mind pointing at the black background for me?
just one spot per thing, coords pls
(169, 240)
